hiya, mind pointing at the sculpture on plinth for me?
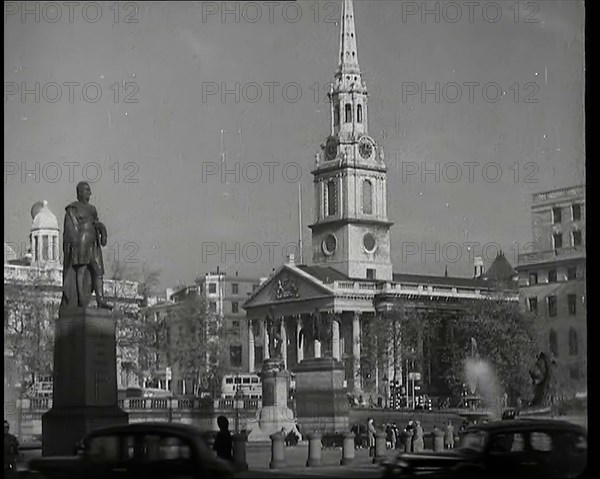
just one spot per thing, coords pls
(83, 238)
(84, 389)
(542, 378)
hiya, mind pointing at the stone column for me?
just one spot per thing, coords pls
(284, 343)
(335, 339)
(299, 347)
(265, 339)
(356, 339)
(251, 365)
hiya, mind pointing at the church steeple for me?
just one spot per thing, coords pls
(348, 47)
(351, 229)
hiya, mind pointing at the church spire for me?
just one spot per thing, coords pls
(348, 52)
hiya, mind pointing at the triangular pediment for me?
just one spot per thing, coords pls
(288, 284)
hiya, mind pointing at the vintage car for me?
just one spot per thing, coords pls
(521, 448)
(138, 450)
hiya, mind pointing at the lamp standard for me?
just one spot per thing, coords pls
(239, 396)
(385, 386)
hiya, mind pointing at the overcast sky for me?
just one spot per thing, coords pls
(154, 133)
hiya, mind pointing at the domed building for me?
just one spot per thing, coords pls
(44, 235)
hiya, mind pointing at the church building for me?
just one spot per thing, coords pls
(328, 308)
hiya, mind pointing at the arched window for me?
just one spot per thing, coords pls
(367, 197)
(336, 114)
(359, 114)
(348, 109)
(573, 350)
(553, 343)
(331, 198)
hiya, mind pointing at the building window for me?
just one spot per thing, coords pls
(552, 306)
(348, 109)
(552, 276)
(557, 240)
(533, 278)
(235, 356)
(336, 115)
(370, 273)
(576, 238)
(572, 272)
(212, 288)
(212, 307)
(36, 243)
(234, 288)
(45, 247)
(235, 308)
(258, 355)
(367, 197)
(556, 215)
(553, 343)
(533, 305)
(331, 198)
(359, 113)
(54, 248)
(576, 212)
(572, 298)
(236, 324)
(573, 349)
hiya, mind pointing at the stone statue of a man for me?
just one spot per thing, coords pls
(83, 237)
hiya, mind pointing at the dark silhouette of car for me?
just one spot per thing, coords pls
(520, 448)
(138, 450)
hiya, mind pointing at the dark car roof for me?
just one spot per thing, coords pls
(161, 427)
(526, 425)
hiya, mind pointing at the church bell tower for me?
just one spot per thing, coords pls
(351, 232)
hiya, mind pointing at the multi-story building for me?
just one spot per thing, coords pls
(552, 280)
(224, 295)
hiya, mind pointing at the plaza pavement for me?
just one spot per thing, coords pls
(258, 457)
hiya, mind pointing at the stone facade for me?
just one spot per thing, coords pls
(552, 280)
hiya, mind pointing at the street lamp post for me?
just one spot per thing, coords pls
(385, 386)
(239, 395)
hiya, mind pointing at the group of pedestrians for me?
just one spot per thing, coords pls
(394, 435)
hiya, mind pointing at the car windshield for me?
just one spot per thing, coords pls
(474, 440)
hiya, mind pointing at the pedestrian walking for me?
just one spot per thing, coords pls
(418, 443)
(223, 443)
(371, 435)
(449, 436)
(11, 452)
(395, 436)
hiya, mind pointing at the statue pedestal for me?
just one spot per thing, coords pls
(321, 402)
(85, 379)
(275, 413)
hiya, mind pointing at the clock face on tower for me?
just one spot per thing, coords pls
(365, 147)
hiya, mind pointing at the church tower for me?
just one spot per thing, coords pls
(351, 232)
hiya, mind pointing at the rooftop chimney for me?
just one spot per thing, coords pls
(291, 258)
(478, 266)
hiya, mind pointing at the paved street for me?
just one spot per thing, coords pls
(259, 456)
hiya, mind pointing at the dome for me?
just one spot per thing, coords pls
(35, 209)
(44, 218)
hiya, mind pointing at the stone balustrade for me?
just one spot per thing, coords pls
(132, 404)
